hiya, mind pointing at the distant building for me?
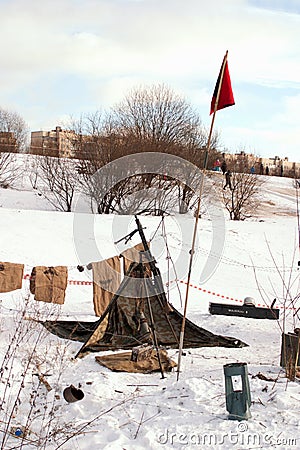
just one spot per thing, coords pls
(281, 166)
(8, 142)
(65, 144)
(58, 142)
(272, 166)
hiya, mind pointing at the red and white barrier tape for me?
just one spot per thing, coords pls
(225, 296)
(89, 283)
(72, 282)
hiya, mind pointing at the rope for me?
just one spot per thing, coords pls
(234, 262)
(169, 258)
(153, 236)
(194, 286)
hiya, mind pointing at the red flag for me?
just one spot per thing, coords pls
(226, 94)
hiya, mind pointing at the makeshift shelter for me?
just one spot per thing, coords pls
(139, 312)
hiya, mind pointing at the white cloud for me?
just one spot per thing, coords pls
(278, 135)
(115, 44)
(170, 36)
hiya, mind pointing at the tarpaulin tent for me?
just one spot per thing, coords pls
(137, 313)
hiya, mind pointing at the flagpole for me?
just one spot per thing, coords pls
(197, 217)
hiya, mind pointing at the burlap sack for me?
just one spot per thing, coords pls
(106, 281)
(11, 276)
(133, 255)
(121, 362)
(48, 284)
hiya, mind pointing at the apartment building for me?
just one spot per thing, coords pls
(8, 142)
(58, 142)
(280, 166)
(271, 166)
(67, 144)
(64, 144)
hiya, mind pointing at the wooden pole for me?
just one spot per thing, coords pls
(157, 280)
(197, 217)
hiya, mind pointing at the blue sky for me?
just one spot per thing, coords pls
(63, 58)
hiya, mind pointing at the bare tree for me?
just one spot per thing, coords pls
(156, 119)
(242, 196)
(149, 119)
(13, 132)
(7, 173)
(32, 167)
(97, 145)
(59, 177)
(13, 139)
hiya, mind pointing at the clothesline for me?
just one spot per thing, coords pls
(48, 284)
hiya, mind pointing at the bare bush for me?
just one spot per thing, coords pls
(9, 173)
(28, 401)
(149, 119)
(13, 131)
(60, 181)
(241, 195)
(33, 171)
(32, 369)
(242, 200)
(13, 139)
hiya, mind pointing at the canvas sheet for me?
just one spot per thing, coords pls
(121, 362)
(106, 280)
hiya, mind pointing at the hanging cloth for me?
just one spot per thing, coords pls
(11, 276)
(106, 281)
(134, 254)
(48, 284)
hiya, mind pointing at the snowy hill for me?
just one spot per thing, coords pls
(256, 258)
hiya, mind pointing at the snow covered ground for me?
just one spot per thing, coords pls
(259, 259)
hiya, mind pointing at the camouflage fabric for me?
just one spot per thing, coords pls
(129, 323)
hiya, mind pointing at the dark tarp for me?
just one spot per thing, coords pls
(70, 329)
(194, 336)
(121, 331)
(138, 311)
